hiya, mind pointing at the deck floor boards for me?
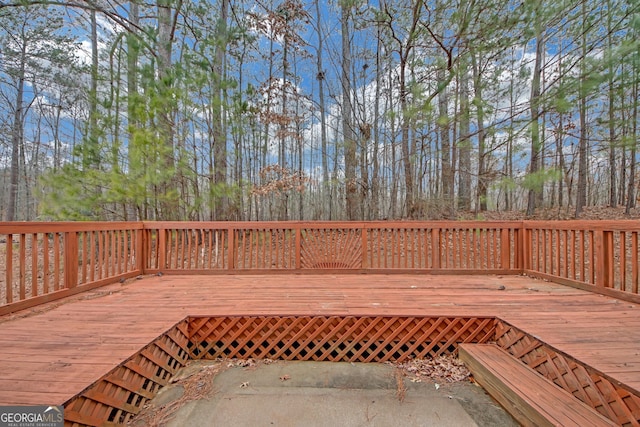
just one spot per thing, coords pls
(52, 352)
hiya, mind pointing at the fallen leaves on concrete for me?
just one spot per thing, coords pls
(446, 368)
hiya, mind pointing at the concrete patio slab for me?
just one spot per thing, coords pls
(327, 394)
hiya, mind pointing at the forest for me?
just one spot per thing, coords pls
(316, 110)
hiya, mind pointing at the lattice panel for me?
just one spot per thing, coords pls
(120, 394)
(331, 249)
(587, 385)
(335, 338)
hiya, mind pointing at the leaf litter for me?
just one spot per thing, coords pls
(197, 382)
(440, 369)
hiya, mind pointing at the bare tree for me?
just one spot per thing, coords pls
(348, 134)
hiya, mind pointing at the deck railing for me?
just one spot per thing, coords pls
(41, 262)
(600, 255)
(469, 247)
(46, 261)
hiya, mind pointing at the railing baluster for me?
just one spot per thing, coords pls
(56, 261)
(481, 254)
(209, 251)
(298, 248)
(634, 262)
(586, 253)
(45, 263)
(593, 261)
(34, 264)
(9, 269)
(623, 260)
(466, 240)
(23, 265)
(223, 247)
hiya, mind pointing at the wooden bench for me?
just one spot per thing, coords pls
(530, 398)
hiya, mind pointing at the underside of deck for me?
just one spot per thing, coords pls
(52, 353)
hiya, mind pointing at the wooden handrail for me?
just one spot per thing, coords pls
(49, 260)
(46, 261)
(599, 256)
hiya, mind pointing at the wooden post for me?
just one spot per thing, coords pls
(162, 249)
(298, 247)
(518, 249)
(34, 264)
(505, 246)
(141, 249)
(525, 248)
(232, 248)
(634, 264)
(45, 263)
(9, 268)
(70, 259)
(603, 252)
(23, 265)
(608, 260)
(435, 247)
(598, 253)
(365, 249)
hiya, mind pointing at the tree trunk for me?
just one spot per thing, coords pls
(219, 132)
(404, 141)
(535, 189)
(350, 160)
(90, 151)
(581, 195)
(613, 201)
(631, 189)
(17, 133)
(446, 169)
(168, 207)
(464, 144)
(375, 184)
(326, 183)
(481, 203)
(137, 211)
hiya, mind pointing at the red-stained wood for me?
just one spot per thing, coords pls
(9, 269)
(23, 266)
(530, 398)
(70, 260)
(45, 265)
(594, 255)
(56, 261)
(34, 265)
(634, 262)
(80, 340)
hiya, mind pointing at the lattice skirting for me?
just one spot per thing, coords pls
(334, 338)
(611, 399)
(118, 396)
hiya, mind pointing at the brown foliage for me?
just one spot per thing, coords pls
(278, 180)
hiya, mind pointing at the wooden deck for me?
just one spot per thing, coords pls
(51, 353)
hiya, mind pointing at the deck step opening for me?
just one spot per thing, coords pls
(530, 398)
